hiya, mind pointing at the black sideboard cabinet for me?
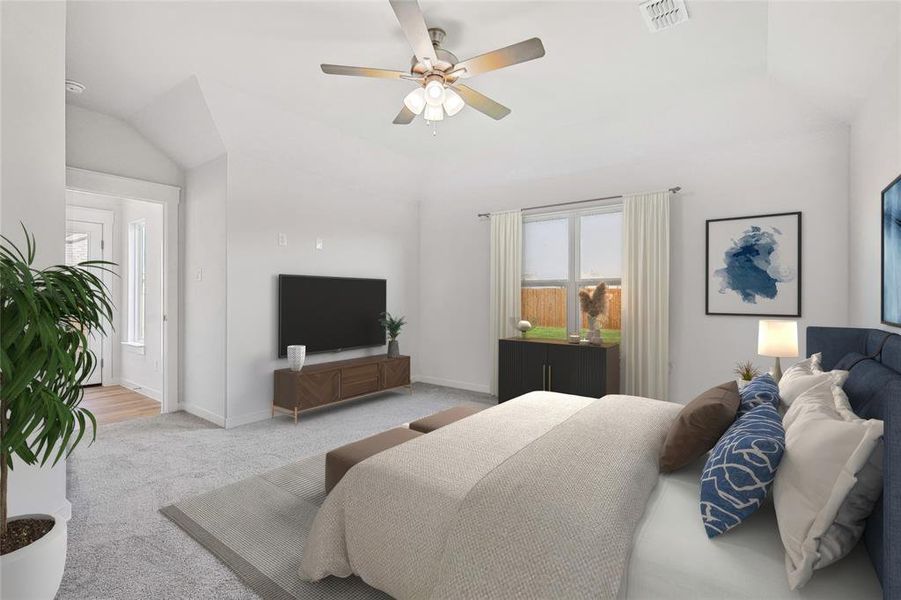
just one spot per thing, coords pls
(526, 365)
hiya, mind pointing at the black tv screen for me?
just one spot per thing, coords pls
(329, 313)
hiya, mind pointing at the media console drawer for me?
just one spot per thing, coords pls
(358, 380)
(326, 383)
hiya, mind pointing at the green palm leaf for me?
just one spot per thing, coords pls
(46, 318)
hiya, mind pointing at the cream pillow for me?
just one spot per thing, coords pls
(801, 377)
(828, 482)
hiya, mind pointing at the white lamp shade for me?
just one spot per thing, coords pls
(415, 100)
(453, 103)
(777, 338)
(434, 93)
(433, 113)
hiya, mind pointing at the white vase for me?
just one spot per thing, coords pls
(35, 571)
(296, 356)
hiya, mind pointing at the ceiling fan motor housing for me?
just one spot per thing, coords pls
(446, 59)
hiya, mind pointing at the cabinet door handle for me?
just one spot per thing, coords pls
(544, 377)
(550, 374)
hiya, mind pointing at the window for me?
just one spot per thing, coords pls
(564, 253)
(137, 274)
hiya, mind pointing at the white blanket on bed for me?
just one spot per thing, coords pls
(537, 497)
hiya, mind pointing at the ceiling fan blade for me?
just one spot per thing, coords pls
(482, 103)
(363, 72)
(404, 117)
(503, 57)
(412, 22)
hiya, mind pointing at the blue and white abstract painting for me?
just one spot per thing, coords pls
(754, 265)
(891, 254)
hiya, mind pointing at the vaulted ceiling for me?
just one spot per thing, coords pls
(607, 90)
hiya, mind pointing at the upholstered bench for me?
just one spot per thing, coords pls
(445, 417)
(340, 460)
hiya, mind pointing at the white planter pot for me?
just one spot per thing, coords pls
(35, 571)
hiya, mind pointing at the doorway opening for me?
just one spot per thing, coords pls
(128, 380)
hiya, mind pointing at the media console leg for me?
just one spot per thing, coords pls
(295, 415)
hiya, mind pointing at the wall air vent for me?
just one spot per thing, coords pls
(663, 14)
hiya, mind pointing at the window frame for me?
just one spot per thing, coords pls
(137, 283)
(574, 282)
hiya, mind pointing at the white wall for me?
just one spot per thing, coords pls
(138, 369)
(806, 172)
(365, 234)
(99, 142)
(204, 268)
(33, 174)
(875, 162)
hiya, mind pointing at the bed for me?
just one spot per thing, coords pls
(514, 502)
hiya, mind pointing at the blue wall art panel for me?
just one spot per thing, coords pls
(891, 254)
(754, 265)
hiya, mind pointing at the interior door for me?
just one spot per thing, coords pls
(84, 241)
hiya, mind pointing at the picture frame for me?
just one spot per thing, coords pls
(753, 265)
(890, 254)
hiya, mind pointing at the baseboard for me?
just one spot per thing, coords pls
(204, 414)
(134, 386)
(260, 415)
(461, 385)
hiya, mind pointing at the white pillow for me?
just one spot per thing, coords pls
(795, 382)
(828, 482)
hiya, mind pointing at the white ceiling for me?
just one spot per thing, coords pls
(607, 90)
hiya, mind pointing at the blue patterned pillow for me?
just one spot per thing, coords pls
(741, 468)
(763, 389)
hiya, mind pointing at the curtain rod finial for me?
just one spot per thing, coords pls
(678, 188)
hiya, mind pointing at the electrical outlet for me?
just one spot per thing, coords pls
(156, 365)
(319, 244)
(198, 275)
(282, 239)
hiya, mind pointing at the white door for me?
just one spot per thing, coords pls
(84, 241)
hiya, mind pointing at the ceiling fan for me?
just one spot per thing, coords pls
(438, 72)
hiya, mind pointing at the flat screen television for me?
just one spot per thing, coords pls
(329, 313)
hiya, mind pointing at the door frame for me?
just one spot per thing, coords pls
(169, 196)
(106, 220)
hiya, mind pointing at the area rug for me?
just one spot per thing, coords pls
(258, 527)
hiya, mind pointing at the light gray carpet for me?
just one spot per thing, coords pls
(259, 526)
(121, 546)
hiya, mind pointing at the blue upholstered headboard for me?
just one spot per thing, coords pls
(873, 358)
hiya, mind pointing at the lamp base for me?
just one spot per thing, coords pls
(777, 370)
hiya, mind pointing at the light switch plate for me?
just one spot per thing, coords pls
(282, 239)
(319, 244)
(198, 275)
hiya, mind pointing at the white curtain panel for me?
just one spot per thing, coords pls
(645, 295)
(506, 279)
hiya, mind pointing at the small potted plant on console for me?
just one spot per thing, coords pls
(393, 326)
(46, 318)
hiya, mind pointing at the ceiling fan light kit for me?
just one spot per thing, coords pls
(437, 72)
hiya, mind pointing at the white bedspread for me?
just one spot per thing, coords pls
(538, 497)
(672, 557)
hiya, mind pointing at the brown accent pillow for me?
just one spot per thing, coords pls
(699, 426)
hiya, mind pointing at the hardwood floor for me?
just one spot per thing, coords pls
(114, 403)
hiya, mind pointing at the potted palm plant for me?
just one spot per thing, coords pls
(393, 326)
(46, 317)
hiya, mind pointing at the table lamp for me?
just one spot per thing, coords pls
(777, 339)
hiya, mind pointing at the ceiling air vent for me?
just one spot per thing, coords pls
(662, 14)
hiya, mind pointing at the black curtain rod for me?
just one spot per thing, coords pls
(672, 189)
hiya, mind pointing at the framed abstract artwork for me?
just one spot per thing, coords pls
(753, 266)
(891, 253)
